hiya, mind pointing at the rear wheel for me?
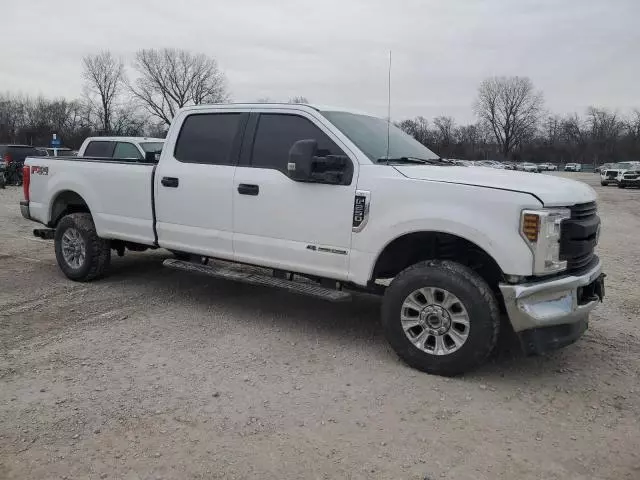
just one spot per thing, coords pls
(81, 254)
(441, 317)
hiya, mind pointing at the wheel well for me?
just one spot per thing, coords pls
(416, 247)
(65, 203)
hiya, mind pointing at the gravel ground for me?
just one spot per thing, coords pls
(152, 373)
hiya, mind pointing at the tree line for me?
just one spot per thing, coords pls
(511, 121)
(112, 103)
(512, 124)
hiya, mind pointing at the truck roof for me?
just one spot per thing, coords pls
(300, 106)
(126, 139)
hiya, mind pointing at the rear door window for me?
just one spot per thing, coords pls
(126, 151)
(100, 149)
(209, 138)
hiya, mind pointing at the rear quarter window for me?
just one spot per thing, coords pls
(100, 149)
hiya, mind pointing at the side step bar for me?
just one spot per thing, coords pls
(262, 280)
(44, 233)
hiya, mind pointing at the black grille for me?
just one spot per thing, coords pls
(584, 210)
(579, 236)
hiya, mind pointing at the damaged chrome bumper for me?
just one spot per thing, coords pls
(558, 301)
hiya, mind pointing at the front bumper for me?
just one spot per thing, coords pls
(24, 210)
(628, 182)
(558, 301)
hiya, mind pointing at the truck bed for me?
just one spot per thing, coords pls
(119, 194)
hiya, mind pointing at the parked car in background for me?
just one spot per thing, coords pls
(530, 167)
(547, 167)
(573, 167)
(461, 163)
(630, 178)
(509, 165)
(490, 164)
(121, 148)
(601, 168)
(12, 157)
(614, 173)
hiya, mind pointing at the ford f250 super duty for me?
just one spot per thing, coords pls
(331, 202)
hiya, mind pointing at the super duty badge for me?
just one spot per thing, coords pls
(361, 210)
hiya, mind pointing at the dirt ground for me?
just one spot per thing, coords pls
(152, 373)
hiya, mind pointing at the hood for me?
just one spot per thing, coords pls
(551, 191)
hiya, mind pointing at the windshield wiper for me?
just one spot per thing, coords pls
(432, 161)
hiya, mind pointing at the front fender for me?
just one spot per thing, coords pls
(488, 218)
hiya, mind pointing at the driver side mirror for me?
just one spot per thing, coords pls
(305, 165)
(301, 157)
(152, 157)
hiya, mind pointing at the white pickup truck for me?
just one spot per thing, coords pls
(330, 202)
(120, 148)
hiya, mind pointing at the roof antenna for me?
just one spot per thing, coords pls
(389, 108)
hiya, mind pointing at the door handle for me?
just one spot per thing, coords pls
(171, 182)
(246, 189)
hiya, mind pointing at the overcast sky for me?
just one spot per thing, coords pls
(335, 52)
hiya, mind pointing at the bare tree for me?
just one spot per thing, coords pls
(418, 128)
(575, 135)
(552, 130)
(606, 130)
(470, 139)
(298, 99)
(104, 77)
(171, 79)
(511, 107)
(444, 134)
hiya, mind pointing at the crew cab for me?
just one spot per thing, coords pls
(333, 202)
(120, 148)
(615, 172)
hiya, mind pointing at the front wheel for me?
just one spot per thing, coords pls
(621, 186)
(81, 254)
(604, 184)
(441, 317)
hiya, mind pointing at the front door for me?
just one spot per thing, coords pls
(281, 223)
(194, 184)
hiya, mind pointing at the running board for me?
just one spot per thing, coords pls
(292, 286)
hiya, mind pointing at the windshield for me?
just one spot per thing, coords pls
(152, 146)
(624, 166)
(370, 135)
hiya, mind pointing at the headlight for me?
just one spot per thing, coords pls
(541, 230)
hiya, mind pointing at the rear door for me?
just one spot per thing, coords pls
(193, 183)
(278, 222)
